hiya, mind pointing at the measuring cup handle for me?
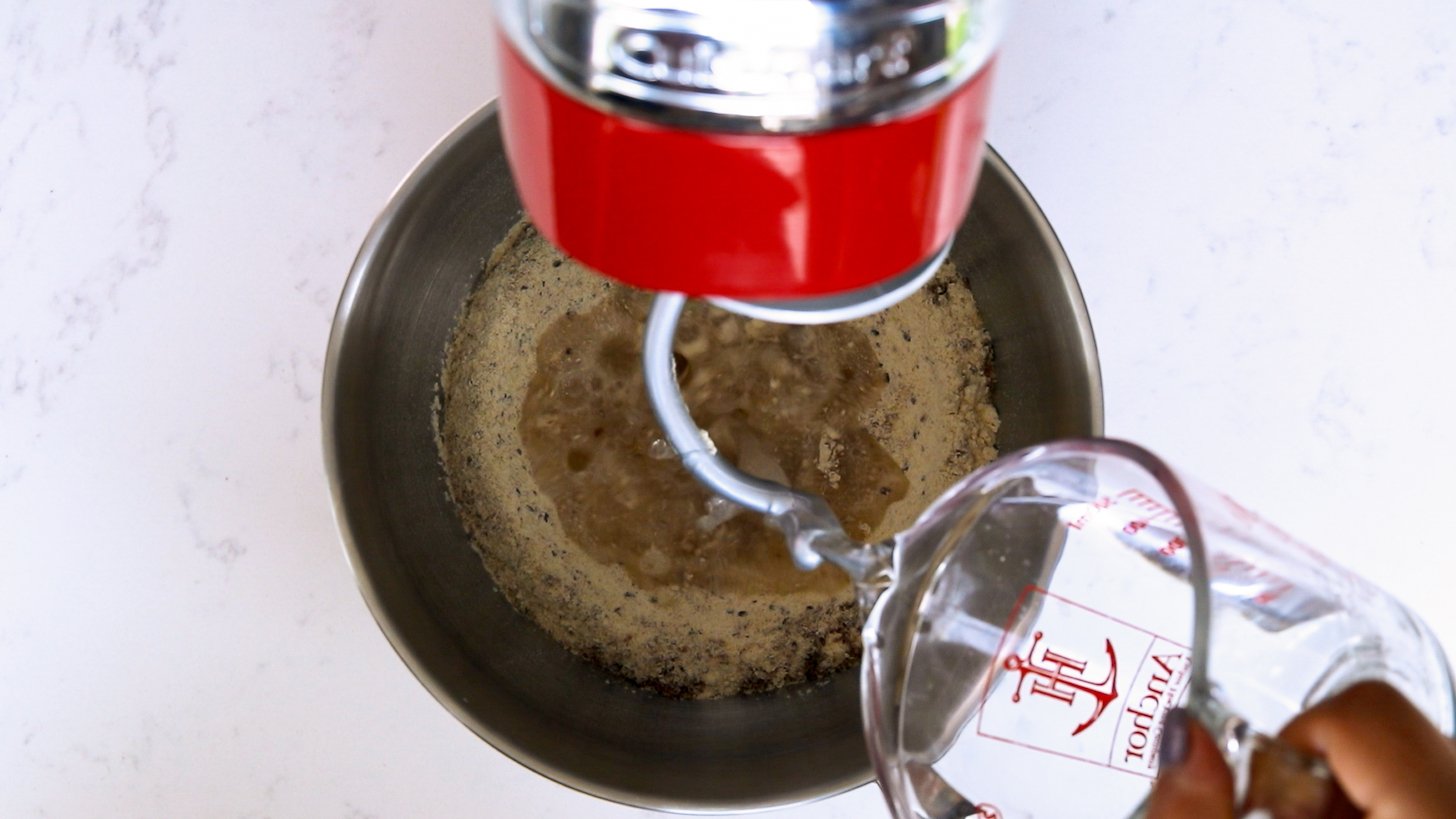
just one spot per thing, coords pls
(1271, 778)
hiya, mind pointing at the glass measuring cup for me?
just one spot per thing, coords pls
(1026, 638)
(1046, 613)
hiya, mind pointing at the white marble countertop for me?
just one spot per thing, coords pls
(1259, 199)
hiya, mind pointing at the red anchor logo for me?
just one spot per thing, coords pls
(1060, 677)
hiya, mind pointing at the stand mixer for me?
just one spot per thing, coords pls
(797, 161)
(423, 574)
(803, 161)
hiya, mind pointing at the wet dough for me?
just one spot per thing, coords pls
(603, 539)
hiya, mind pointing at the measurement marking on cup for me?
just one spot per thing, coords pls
(1271, 586)
(1263, 593)
(1150, 509)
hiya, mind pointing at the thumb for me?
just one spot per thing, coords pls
(1193, 782)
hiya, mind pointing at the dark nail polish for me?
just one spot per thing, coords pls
(1173, 747)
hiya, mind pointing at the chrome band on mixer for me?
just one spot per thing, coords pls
(756, 65)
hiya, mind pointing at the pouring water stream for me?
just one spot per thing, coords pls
(814, 535)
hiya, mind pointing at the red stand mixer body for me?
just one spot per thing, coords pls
(778, 150)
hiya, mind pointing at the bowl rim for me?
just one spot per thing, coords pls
(364, 260)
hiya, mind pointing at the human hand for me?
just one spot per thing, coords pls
(1387, 759)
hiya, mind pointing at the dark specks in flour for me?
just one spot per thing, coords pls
(698, 612)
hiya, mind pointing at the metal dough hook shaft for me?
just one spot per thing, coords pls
(692, 444)
(809, 525)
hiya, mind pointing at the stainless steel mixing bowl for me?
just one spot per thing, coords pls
(493, 668)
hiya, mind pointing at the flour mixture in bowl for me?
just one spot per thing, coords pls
(589, 525)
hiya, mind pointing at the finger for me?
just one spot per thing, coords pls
(1193, 782)
(1387, 757)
